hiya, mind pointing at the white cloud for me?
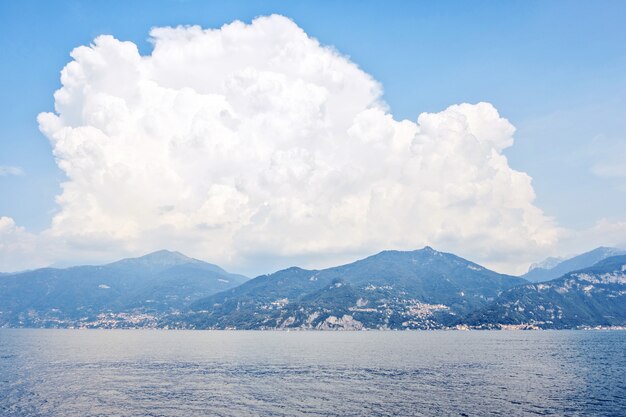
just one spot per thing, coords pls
(613, 168)
(19, 249)
(10, 170)
(608, 154)
(605, 232)
(254, 141)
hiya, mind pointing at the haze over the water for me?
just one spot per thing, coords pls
(255, 146)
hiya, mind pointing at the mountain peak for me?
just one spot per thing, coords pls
(159, 259)
(164, 254)
(425, 250)
(547, 263)
(607, 250)
(425, 256)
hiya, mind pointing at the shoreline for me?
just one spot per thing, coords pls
(504, 328)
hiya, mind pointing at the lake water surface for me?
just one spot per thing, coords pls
(238, 373)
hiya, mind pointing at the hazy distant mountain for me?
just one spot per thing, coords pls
(419, 289)
(594, 296)
(125, 293)
(547, 263)
(553, 268)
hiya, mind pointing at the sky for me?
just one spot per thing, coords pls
(326, 132)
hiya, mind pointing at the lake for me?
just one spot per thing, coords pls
(377, 373)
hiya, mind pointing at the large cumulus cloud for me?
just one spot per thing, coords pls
(255, 141)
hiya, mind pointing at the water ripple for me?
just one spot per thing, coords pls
(158, 373)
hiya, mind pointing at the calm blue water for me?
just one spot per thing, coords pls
(197, 373)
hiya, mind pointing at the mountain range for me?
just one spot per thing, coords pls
(552, 268)
(421, 289)
(128, 293)
(593, 296)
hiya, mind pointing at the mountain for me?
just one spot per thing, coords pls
(547, 263)
(130, 292)
(399, 290)
(422, 289)
(553, 268)
(594, 296)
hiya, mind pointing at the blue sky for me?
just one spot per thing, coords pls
(556, 70)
